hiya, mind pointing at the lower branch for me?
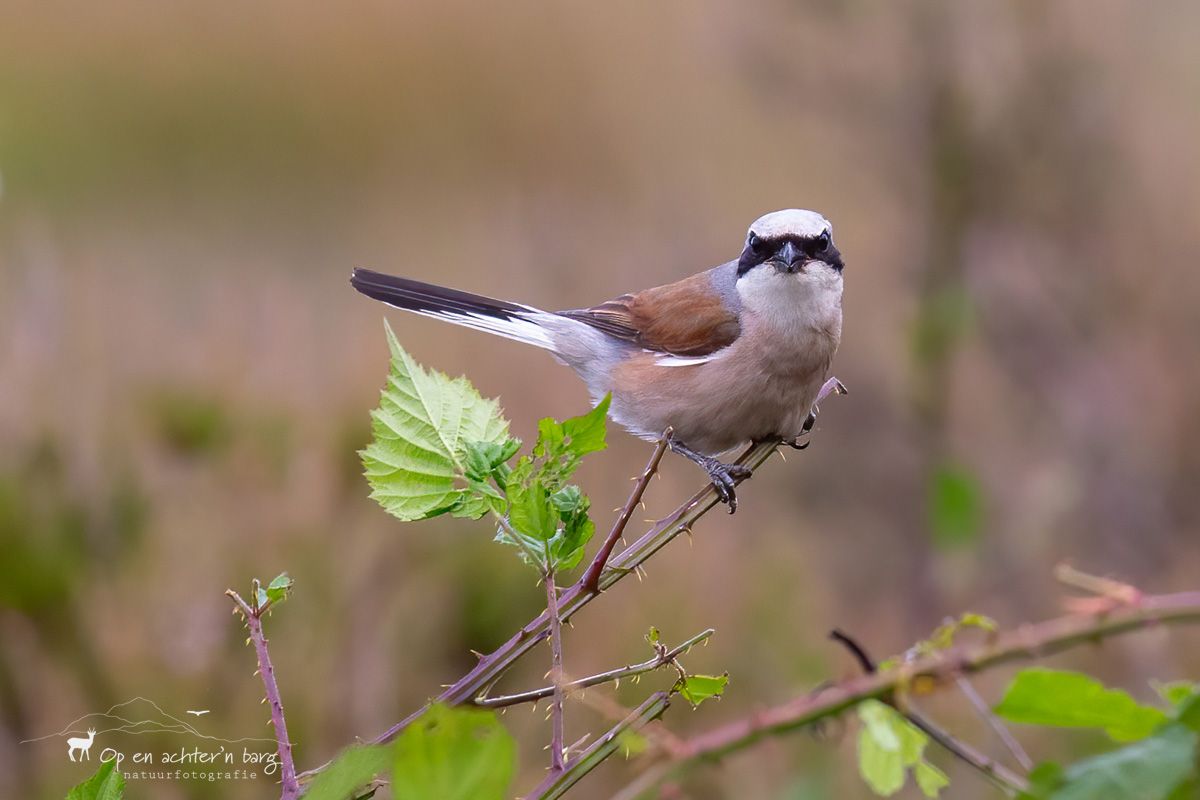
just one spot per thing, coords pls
(663, 658)
(557, 723)
(556, 784)
(1024, 643)
(290, 787)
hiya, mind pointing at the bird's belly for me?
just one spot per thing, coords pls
(718, 404)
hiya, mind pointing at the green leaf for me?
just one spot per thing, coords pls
(698, 688)
(1175, 692)
(1151, 769)
(423, 433)
(1188, 712)
(567, 545)
(955, 507)
(530, 510)
(930, 779)
(105, 784)
(280, 587)
(881, 767)
(586, 434)
(354, 768)
(1039, 696)
(454, 754)
(888, 745)
(1044, 779)
(560, 445)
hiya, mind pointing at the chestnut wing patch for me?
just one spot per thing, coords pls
(685, 319)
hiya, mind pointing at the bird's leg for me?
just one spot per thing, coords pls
(724, 477)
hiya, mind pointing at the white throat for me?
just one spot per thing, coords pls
(792, 304)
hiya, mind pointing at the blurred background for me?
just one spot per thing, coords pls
(185, 374)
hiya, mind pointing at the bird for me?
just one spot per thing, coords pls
(734, 354)
(198, 713)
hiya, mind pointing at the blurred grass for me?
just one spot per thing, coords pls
(185, 376)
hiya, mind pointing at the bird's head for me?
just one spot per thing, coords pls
(792, 242)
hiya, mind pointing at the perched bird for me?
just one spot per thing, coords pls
(735, 354)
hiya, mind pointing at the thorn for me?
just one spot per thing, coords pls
(478, 655)
(262, 702)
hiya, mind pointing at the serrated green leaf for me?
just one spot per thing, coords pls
(454, 754)
(652, 636)
(105, 784)
(1151, 769)
(561, 445)
(353, 768)
(530, 510)
(422, 431)
(482, 459)
(587, 433)
(1039, 696)
(567, 546)
(698, 688)
(930, 779)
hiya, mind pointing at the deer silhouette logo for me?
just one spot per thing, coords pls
(82, 745)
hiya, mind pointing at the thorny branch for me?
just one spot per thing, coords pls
(1024, 643)
(290, 786)
(591, 578)
(557, 723)
(661, 659)
(556, 784)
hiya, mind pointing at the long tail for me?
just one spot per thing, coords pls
(511, 320)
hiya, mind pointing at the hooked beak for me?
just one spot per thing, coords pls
(790, 259)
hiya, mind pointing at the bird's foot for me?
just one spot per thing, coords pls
(802, 440)
(724, 477)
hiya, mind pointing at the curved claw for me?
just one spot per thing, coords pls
(725, 478)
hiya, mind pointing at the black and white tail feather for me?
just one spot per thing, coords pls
(512, 320)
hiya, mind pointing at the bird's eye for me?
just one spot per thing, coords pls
(756, 243)
(824, 241)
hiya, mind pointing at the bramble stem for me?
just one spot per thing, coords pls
(290, 786)
(661, 660)
(591, 579)
(557, 723)
(555, 785)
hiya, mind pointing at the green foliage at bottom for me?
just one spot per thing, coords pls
(106, 784)
(448, 753)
